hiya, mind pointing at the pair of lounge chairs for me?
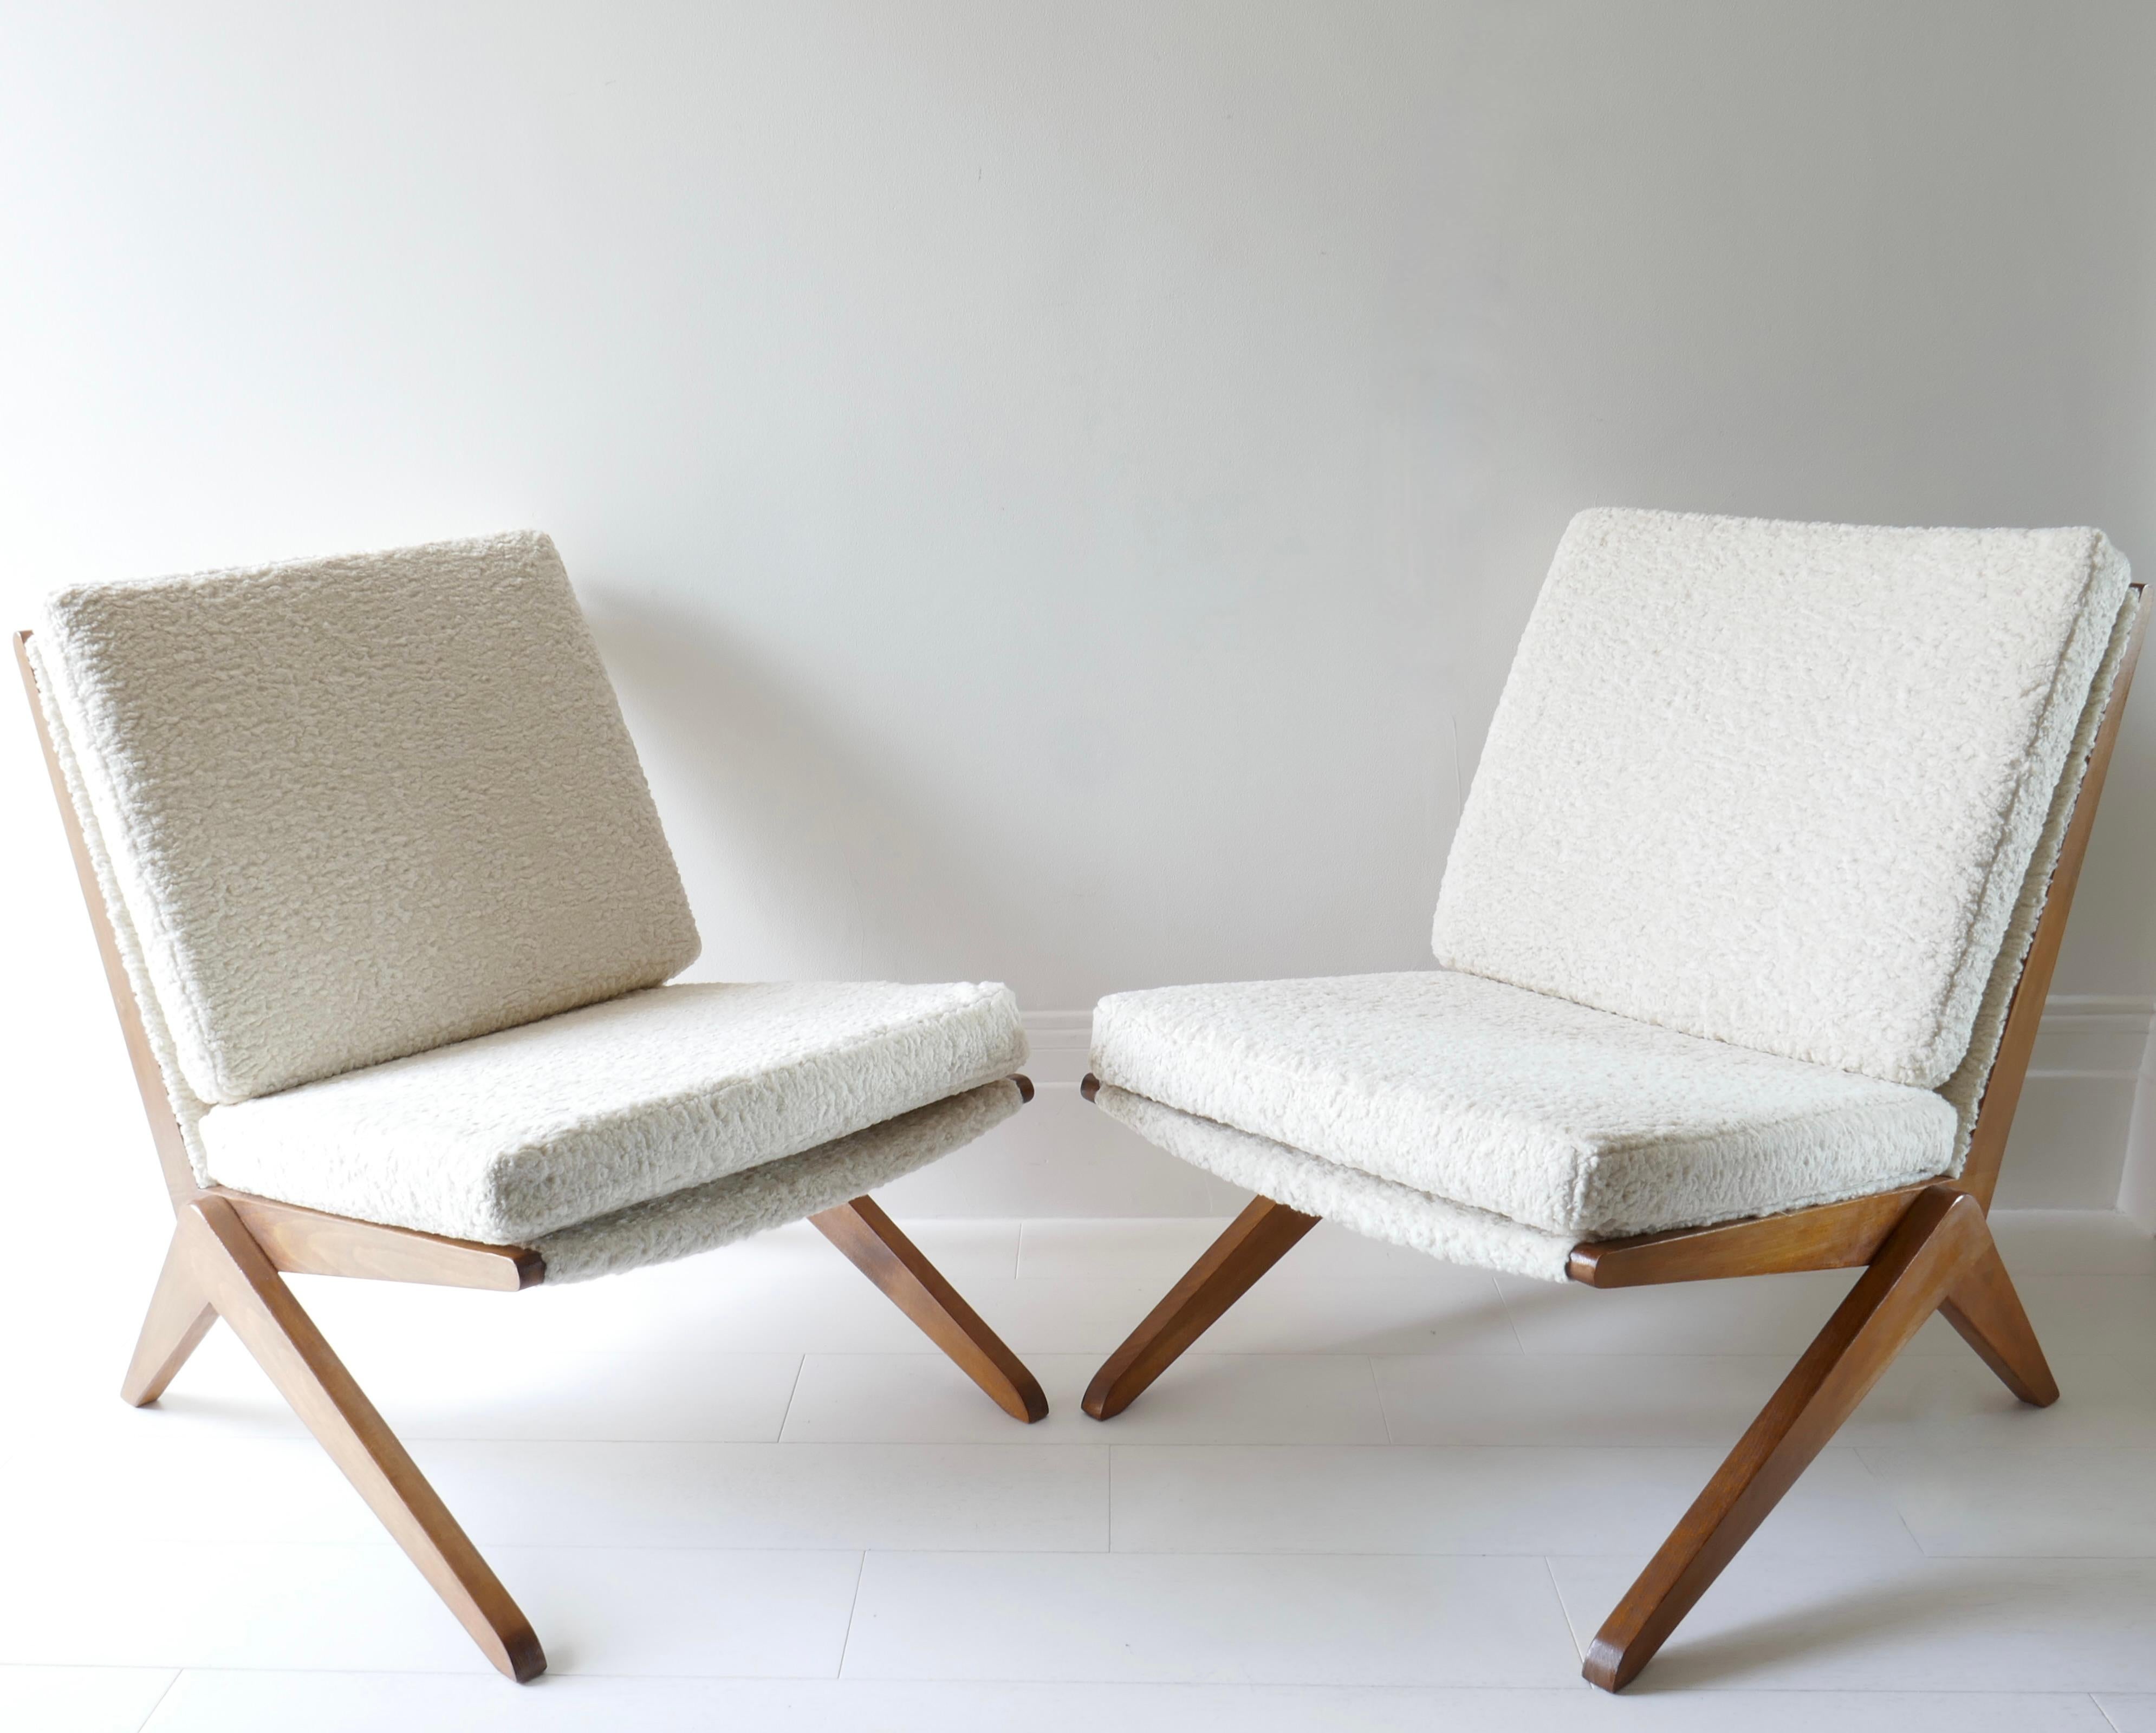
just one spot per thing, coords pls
(1741, 947)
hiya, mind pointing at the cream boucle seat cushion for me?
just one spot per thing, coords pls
(394, 903)
(514, 1135)
(699, 1218)
(1358, 1201)
(1788, 797)
(356, 808)
(1554, 1115)
(1778, 784)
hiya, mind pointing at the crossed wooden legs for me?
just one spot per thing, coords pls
(180, 1316)
(1939, 1258)
(214, 1271)
(218, 1268)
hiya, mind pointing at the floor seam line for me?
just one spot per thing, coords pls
(172, 1684)
(1563, 1611)
(1504, 1306)
(1703, 1691)
(793, 1390)
(1900, 1515)
(852, 1607)
(1384, 1416)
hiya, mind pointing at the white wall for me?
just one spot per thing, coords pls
(1058, 486)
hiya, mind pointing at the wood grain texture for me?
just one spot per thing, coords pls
(149, 1080)
(1830, 1236)
(2010, 1071)
(306, 1242)
(1983, 1306)
(180, 1316)
(1941, 1237)
(1927, 1248)
(872, 1242)
(252, 1298)
(1256, 1240)
(1838, 1236)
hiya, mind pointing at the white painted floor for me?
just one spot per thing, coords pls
(743, 1493)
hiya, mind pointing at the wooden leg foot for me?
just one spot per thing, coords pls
(872, 1242)
(250, 1296)
(1984, 1308)
(180, 1316)
(1926, 1258)
(1256, 1240)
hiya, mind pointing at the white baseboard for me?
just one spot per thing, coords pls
(2137, 1181)
(2070, 1148)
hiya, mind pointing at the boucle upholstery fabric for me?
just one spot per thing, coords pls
(1778, 784)
(1356, 1200)
(358, 807)
(1555, 1115)
(703, 1218)
(1964, 1090)
(514, 1134)
(187, 1108)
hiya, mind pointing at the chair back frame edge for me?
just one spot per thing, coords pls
(1843, 1235)
(1830, 1236)
(297, 1240)
(149, 1076)
(230, 1250)
(1929, 1246)
(310, 1241)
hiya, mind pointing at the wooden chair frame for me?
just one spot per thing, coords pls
(1924, 1248)
(230, 1252)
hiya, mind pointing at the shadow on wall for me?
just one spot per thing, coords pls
(802, 857)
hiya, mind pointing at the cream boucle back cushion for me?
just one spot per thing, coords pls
(358, 807)
(1778, 784)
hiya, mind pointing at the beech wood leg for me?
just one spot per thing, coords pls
(179, 1317)
(872, 1242)
(1984, 1308)
(1256, 1240)
(1940, 1239)
(250, 1296)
